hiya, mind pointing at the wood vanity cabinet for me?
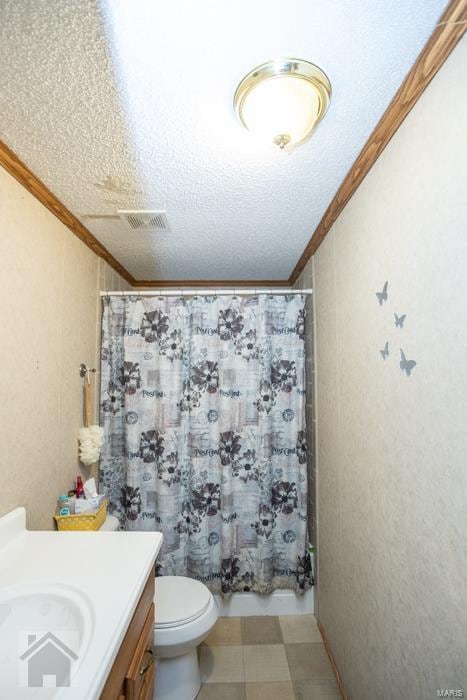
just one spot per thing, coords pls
(132, 675)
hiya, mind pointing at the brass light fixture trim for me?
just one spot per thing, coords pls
(277, 69)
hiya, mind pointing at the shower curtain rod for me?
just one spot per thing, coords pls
(205, 292)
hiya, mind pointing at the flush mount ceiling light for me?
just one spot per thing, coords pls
(282, 101)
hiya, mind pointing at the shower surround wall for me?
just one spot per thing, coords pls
(49, 284)
(392, 448)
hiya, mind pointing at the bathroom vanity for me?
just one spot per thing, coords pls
(90, 596)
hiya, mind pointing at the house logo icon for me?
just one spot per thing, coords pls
(48, 661)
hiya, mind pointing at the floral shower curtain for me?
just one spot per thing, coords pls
(202, 403)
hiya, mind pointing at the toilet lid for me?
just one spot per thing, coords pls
(179, 600)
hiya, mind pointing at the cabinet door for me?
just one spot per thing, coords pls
(139, 681)
(116, 685)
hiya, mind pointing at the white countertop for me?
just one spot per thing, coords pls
(108, 568)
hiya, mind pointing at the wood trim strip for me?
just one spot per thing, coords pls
(31, 182)
(159, 284)
(332, 662)
(442, 41)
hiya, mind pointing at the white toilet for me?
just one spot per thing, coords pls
(185, 614)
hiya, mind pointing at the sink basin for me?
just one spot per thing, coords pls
(45, 630)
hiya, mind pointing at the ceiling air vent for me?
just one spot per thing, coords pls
(144, 220)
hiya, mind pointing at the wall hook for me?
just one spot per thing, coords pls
(83, 370)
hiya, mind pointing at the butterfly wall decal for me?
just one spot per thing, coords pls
(405, 364)
(399, 320)
(385, 351)
(383, 295)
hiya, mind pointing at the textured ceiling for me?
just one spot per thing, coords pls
(120, 104)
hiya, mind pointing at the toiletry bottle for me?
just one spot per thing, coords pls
(71, 504)
(63, 507)
(79, 487)
(72, 500)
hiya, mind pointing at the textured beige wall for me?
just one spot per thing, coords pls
(49, 283)
(392, 449)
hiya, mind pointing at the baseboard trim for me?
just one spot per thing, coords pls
(333, 662)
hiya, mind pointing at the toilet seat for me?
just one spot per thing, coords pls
(179, 600)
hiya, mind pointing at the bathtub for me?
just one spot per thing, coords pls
(280, 602)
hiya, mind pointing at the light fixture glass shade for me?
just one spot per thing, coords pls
(281, 101)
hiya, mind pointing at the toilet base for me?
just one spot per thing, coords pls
(178, 678)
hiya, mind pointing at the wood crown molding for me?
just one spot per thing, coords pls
(447, 33)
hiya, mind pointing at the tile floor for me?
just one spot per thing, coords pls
(266, 658)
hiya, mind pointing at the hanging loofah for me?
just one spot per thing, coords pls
(91, 437)
(90, 442)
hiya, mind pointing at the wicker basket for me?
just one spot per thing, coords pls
(83, 521)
